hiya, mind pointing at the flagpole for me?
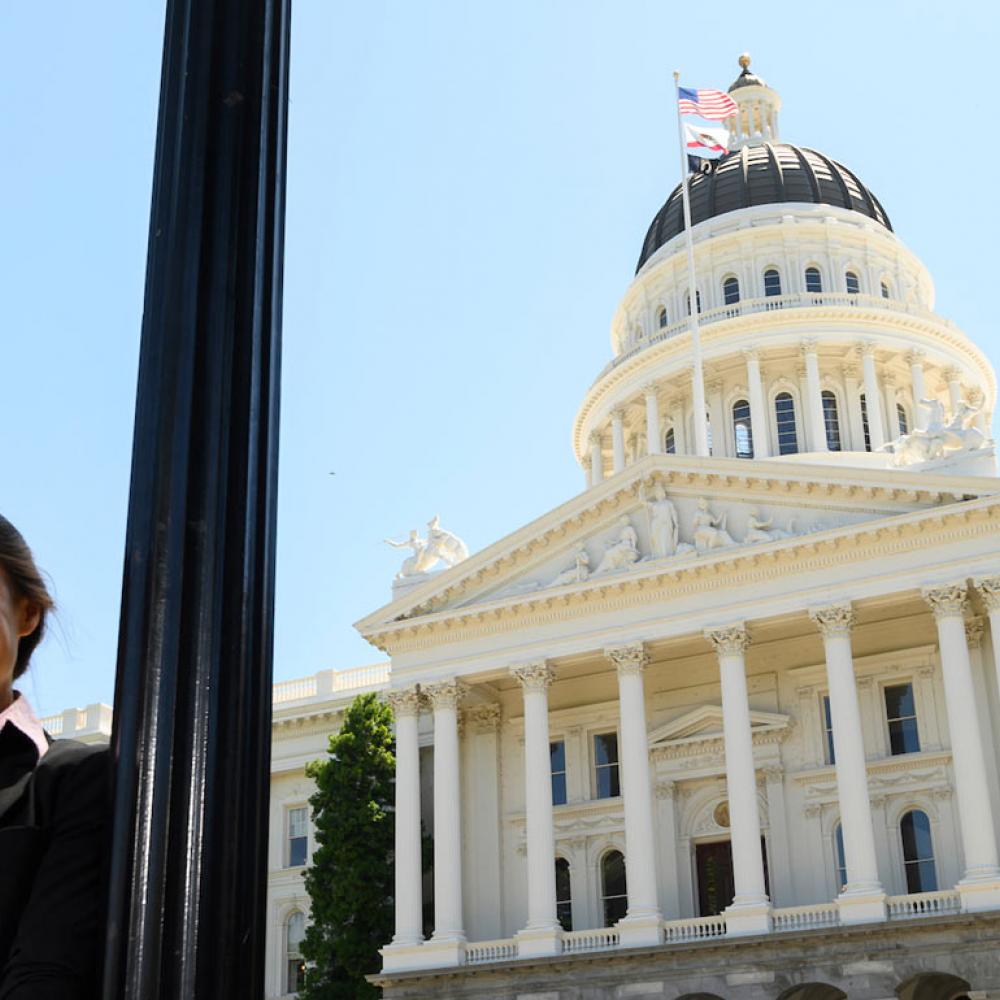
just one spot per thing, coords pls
(698, 376)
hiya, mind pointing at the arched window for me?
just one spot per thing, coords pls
(670, 443)
(904, 427)
(885, 290)
(864, 423)
(839, 860)
(831, 420)
(661, 317)
(564, 895)
(742, 430)
(295, 966)
(687, 301)
(784, 412)
(772, 282)
(731, 291)
(852, 282)
(814, 280)
(614, 894)
(918, 852)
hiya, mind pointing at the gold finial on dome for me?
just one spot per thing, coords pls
(744, 60)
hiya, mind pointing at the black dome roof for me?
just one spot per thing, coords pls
(761, 175)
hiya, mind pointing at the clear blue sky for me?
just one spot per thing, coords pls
(469, 186)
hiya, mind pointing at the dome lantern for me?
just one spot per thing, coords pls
(757, 119)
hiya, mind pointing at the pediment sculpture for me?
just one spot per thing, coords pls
(440, 546)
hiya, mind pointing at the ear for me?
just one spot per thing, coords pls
(29, 615)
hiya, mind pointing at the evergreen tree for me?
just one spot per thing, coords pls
(350, 880)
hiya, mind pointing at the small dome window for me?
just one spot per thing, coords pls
(852, 282)
(661, 317)
(670, 443)
(731, 290)
(772, 282)
(904, 425)
(687, 301)
(865, 427)
(784, 412)
(831, 420)
(742, 429)
(886, 294)
(814, 280)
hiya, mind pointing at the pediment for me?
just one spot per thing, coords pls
(704, 724)
(667, 513)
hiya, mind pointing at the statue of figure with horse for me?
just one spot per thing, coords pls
(440, 546)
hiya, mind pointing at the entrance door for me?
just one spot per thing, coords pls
(714, 866)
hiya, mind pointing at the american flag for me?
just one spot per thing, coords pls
(711, 104)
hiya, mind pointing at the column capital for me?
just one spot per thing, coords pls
(533, 676)
(666, 790)
(974, 631)
(445, 694)
(915, 357)
(752, 354)
(618, 415)
(989, 591)
(976, 396)
(649, 389)
(867, 349)
(405, 701)
(809, 346)
(889, 379)
(849, 371)
(594, 438)
(946, 600)
(835, 620)
(951, 374)
(483, 718)
(730, 639)
(629, 659)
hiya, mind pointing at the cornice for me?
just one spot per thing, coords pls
(666, 581)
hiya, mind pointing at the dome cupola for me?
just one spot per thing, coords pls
(757, 118)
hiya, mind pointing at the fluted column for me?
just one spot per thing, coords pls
(954, 379)
(654, 445)
(862, 898)
(542, 934)
(448, 925)
(814, 399)
(596, 459)
(873, 398)
(750, 912)
(408, 893)
(642, 924)
(915, 359)
(758, 412)
(980, 885)
(618, 440)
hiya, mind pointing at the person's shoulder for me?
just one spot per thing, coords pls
(72, 777)
(74, 754)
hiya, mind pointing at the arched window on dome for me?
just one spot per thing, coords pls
(772, 282)
(886, 291)
(661, 317)
(564, 895)
(814, 280)
(670, 443)
(904, 426)
(852, 282)
(864, 423)
(614, 892)
(687, 301)
(839, 858)
(742, 429)
(731, 290)
(918, 852)
(831, 420)
(784, 413)
(295, 966)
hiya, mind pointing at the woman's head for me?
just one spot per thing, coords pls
(24, 603)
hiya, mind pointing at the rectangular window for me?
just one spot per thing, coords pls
(557, 755)
(831, 757)
(298, 836)
(901, 716)
(296, 976)
(607, 785)
(564, 895)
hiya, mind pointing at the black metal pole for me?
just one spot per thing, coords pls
(193, 698)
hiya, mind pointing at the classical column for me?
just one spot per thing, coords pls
(750, 912)
(758, 412)
(654, 446)
(814, 399)
(542, 934)
(980, 885)
(449, 931)
(643, 922)
(596, 459)
(873, 398)
(954, 379)
(618, 440)
(989, 591)
(915, 359)
(676, 408)
(717, 418)
(891, 413)
(862, 898)
(408, 897)
(855, 438)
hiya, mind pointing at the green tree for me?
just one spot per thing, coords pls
(350, 880)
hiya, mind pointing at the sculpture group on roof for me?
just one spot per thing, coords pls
(440, 546)
(938, 438)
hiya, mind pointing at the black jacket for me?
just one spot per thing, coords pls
(53, 814)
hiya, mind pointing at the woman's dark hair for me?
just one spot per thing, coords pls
(18, 563)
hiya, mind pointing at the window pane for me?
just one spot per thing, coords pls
(901, 715)
(298, 836)
(606, 748)
(298, 848)
(614, 893)
(564, 895)
(831, 419)
(903, 737)
(298, 821)
(885, 290)
(831, 757)
(661, 318)
(853, 285)
(670, 443)
(814, 283)
(731, 291)
(864, 423)
(772, 283)
(918, 852)
(607, 782)
(557, 754)
(559, 789)
(899, 701)
(901, 415)
(742, 429)
(296, 976)
(784, 410)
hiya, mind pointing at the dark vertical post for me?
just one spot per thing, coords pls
(193, 698)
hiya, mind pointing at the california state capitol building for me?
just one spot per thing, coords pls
(719, 726)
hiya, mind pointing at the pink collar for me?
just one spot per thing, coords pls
(20, 715)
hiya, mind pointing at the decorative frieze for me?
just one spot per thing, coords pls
(630, 659)
(731, 640)
(533, 676)
(835, 620)
(946, 601)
